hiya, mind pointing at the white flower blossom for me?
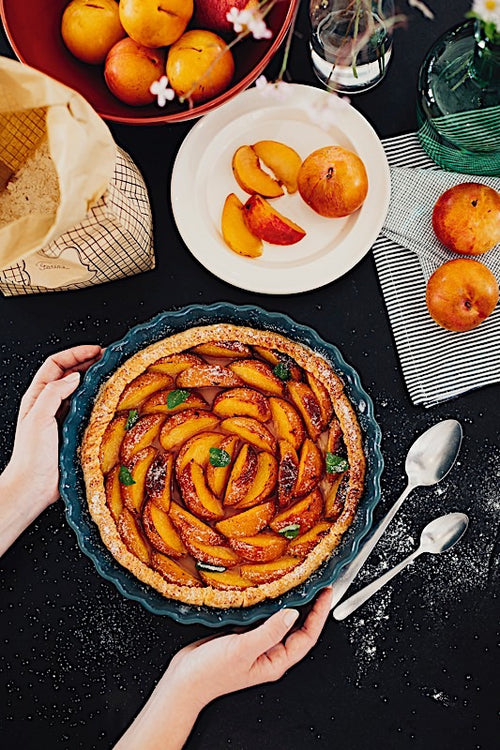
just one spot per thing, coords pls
(249, 20)
(273, 89)
(488, 10)
(162, 92)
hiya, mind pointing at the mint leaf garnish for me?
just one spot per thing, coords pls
(219, 457)
(176, 397)
(291, 531)
(125, 476)
(335, 464)
(132, 418)
(282, 371)
(199, 565)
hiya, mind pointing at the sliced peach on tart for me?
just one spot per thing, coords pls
(159, 481)
(306, 542)
(197, 449)
(260, 573)
(178, 428)
(143, 433)
(242, 474)
(172, 572)
(282, 160)
(191, 527)
(113, 493)
(258, 375)
(227, 580)
(335, 496)
(131, 534)
(288, 470)
(133, 478)
(231, 349)
(275, 357)
(219, 465)
(173, 364)
(310, 468)
(235, 232)
(263, 482)
(266, 223)
(197, 496)
(109, 450)
(262, 547)
(242, 402)
(308, 407)
(288, 425)
(172, 401)
(141, 387)
(251, 177)
(207, 376)
(251, 431)
(322, 397)
(334, 441)
(247, 523)
(304, 514)
(220, 555)
(161, 532)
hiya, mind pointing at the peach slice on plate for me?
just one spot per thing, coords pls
(263, 482)
(143, 433)
(217, 476)
(190, 527)
(227, 349)
(197, 449)
(287, 472)
(248, 523)
(251, 177)
(241, 476)
(180, 427)
(235, 232)
(163, 403)
(275, 357)
(269, 571)
(172, 572)
(159, 481)
(268, 224)
(322, 397)
(133, 478)
(173, 364)
(213, 554)
(308, 406)
(262, 547)
(197, 496)
(242, 402)
(258, 375)
(310, 469)
(207, 376)
(141, 387)
(111, 442)
(287, 423)
(251, 431)
(114, 493)
(303, 544)
(227, 580)
(334, 440)
(335, 497)
(130, 532)
(161, 532)
(305, 513)
(280, 159)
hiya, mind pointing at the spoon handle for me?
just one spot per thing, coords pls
(350, 572)
(360, 597)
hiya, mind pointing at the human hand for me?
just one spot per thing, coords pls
(32, 472)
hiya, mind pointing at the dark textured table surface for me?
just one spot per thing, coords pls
(415, 668)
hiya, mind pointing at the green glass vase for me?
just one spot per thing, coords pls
(458, 103)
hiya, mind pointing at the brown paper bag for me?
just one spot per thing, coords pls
(97, 226)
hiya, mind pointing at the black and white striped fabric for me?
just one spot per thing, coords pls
(437, 364)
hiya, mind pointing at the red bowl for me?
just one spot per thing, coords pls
(33, 29)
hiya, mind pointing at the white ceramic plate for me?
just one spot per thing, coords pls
(202, 178)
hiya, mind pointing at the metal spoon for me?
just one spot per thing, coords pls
(429, 460)
(438, 536)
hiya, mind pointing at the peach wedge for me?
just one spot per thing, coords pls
(247, 523)
(111, 442)
(173, 364)
(242, 475)
(227, 580)
(262, 547)
(159, 481)
(268, 224)
(250, 431)
(130, 532)
(305, 513)
(191, 527)
(242, 402)
(158, 403)
(134, 484)
(142, 434)
(180, 427)
(231, 349)
(263, 482)
(197, 496)
(310, 469)
(217, 476)
(258, 375)
(270, 571)
(251, 177)
(207, 376)
(280, 159)
(235, 232)
(113, 493)
(172, 572)
(161, 532)
(141, 387)
(287, 423)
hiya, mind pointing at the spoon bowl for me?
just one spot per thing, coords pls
(433, 454)
(442, 533)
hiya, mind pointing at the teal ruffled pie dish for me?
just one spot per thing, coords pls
(72, 486)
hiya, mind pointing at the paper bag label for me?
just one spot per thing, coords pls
(50, 272)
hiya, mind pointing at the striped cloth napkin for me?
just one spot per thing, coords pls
(437, 364)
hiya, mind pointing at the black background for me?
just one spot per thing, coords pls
(415, 668)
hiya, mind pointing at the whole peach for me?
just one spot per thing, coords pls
(130, 70)
(333, 181)
(466, 218)
(155, 23)
(90, 28)
(200, 63)
(461, 294)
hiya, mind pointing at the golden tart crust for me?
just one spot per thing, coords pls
(106, 407)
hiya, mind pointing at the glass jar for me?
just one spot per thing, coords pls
(458, 103)
(351, 42)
